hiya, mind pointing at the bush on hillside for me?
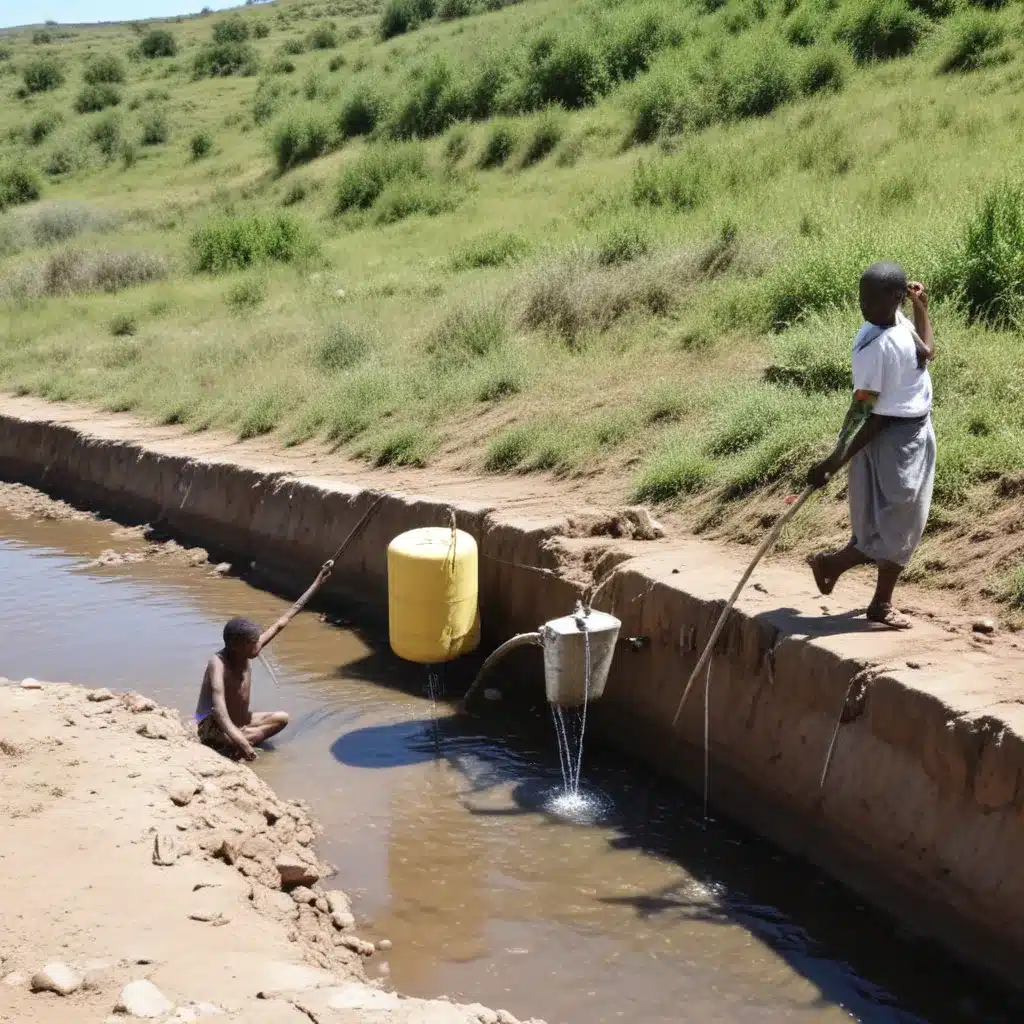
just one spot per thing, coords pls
(975, 42)
(266, 100)
(362, 111)
(106, 133)
(42, 126)
(19, 183)
(64, 158)
(104, 69)
(437, 99)
(158, 42)
(803, 26)
(233, 29)
(755, 82)
(400, 16)
(674, 182)
(634, 41)
(623, 241)
(500, 144)
(218, 60)
(156, 129)
(96, 97)
(988, 266)
(363, 181)
(261, 30)
(825, 69)
(294, 47)
(42, 74)
(880, 29)
(300, 136)
(547, 133)
(200, 145)
(324, 37)
(451, 10)
(235, 243)
(341, 347)
(568, 71)
(336, 63)
(468, 332)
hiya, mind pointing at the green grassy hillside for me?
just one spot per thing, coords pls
(602, 238)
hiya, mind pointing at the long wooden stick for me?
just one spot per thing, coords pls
(355, 529)
(772, 537)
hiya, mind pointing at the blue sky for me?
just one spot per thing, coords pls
(26, 12)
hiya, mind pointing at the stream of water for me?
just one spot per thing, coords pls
(441, 829)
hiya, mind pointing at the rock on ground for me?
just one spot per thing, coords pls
(56, 977)
(143, 999)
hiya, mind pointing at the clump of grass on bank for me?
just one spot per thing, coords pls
(236, 243)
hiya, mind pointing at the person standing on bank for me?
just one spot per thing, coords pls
(886, 438)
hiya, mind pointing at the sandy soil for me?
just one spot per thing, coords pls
(131, 854)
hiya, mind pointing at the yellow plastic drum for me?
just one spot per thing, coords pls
(432, 595)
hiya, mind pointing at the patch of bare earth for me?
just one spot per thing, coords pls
(146, 876)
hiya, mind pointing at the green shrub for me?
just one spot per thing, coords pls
(500, 144)
(803, 26)
(282, 66)
(42, 74)
(233, 29)
(400, 16)
(634, 40)
(456, 145)
(218, 60)
(129, 153)
(362, 111)
(324, 37)
(266, 100)
(42, 125)
(106, 68)
(450, 10)
(106, 133)
(510, 449)
(547, 133)
(19, 183)
(62, 159)
(293, 47)
(403, 446)
(568, 71)
(300, 136)
(438, 98)
(675, 182)
(261, 416)
(158, 42)
(313, 84)
(975, 42)
(624, 241)
(96, 97)
(755, 82)
(42, 38)
(236, 243)
(200, 145)
(406, 197)
(825, 70)
(336, 63)
(123, 325)
(493, 249)
(156, 129)
(261, 30)
(341, 347)
(988, 266)
(880, 29)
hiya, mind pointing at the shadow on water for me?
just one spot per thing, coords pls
(855, 957)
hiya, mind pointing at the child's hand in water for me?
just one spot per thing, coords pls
(246, 749)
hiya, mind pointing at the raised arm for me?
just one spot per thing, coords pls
(276, 628)
(922, 322)
(215, 672)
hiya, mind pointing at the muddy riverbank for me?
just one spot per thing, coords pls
(921, 806)
(156, 879)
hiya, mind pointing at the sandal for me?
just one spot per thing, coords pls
(825, 584)
(886, 615)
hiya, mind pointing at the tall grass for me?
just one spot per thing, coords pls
(236, 243)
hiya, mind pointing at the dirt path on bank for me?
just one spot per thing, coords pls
(145, 872)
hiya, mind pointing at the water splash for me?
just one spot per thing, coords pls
(435, 691)
(570, 726)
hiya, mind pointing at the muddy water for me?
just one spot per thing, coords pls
(436, 824)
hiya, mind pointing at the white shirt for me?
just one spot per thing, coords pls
(885, 362)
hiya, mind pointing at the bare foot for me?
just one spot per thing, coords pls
(886, 615)
(825, 584)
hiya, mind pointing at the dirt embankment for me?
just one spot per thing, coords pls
(146, 876)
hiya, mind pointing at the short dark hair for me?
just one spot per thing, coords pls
(240, 630)
(886, 277)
